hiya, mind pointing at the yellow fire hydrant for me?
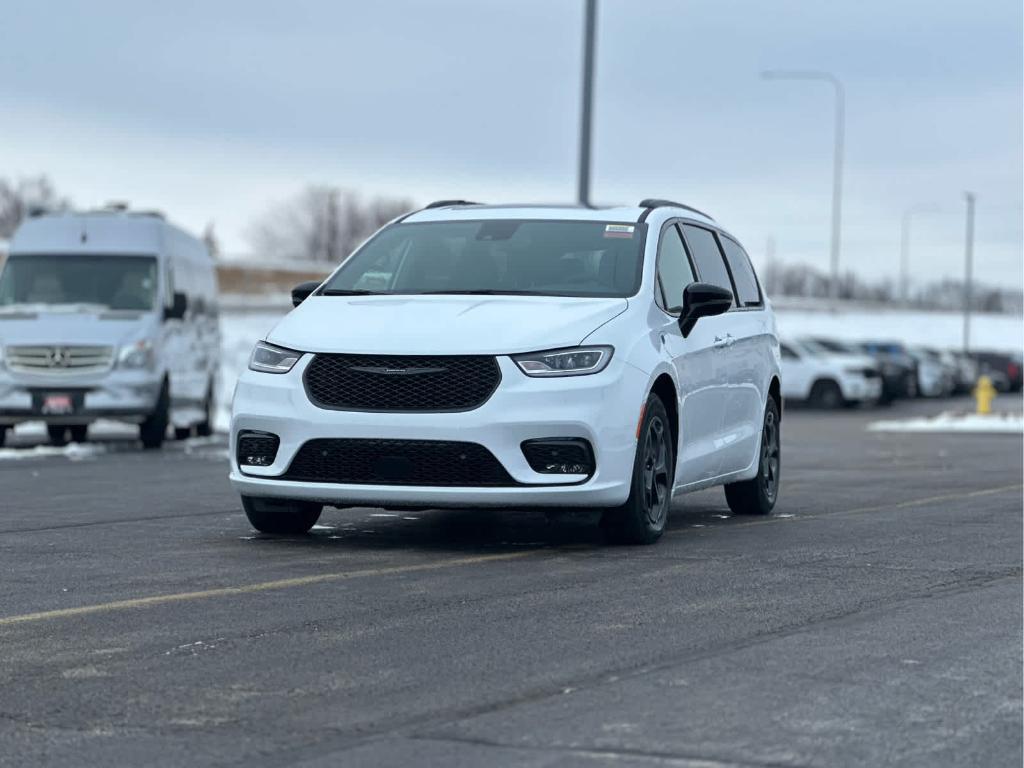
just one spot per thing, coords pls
(984, 394)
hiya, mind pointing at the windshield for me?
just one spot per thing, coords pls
(541, 258)
(115, 282)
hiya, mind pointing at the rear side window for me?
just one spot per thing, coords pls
(674, 271)
(708, 257)
(742, 274)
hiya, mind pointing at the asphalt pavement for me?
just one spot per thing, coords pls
(875, 619)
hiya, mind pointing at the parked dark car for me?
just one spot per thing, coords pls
(899, 372)
(1004, 368)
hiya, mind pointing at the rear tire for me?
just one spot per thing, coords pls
(281, 517)
(182, 433)
(154, 429)
(826, 394)
(642, 519)
(3, 435)
(757, 496)
(79, 433)
(58, 434)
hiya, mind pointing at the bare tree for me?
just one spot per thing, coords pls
(19, 199)
(211, 241)
(320, 224)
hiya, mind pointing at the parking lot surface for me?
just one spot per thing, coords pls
(875, 619)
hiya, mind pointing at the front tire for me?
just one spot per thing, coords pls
(58, 434)
(826, 394)
(642, 519)
(757, 496)
(281, 517)
(205, 427)
(79, 433)
(154, 429)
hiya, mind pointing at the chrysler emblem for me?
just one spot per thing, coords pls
(385, 371)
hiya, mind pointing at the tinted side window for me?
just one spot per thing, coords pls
(674, 272)
(710, 264)
(742, 274)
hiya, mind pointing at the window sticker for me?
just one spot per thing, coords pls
(619, 230)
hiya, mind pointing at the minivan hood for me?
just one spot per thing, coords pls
(442, 325)
(72, 328)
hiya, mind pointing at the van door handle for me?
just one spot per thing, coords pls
(721, 342)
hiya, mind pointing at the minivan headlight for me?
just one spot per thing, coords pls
(267, 358)
(578, 361)
(137, 355)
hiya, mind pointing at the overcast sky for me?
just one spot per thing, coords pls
(212, 111)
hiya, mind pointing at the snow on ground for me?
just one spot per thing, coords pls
(72, 451)
(1006, 423)
(239, 332)
(934, 329)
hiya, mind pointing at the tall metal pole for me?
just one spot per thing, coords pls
(837, 163)
(589, 35)
(968, 270)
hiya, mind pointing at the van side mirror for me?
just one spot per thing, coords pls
(178, 307)
(702, 300)
(302, 291)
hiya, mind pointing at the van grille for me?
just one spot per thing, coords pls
(396, 462)
(400, 383)
(59, 359)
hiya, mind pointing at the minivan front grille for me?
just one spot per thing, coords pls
(359, 461)
(400, 383)
(59, 359)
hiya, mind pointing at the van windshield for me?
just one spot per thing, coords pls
(497, 256)
(113, 282)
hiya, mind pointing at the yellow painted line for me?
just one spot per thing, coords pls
(247, 589)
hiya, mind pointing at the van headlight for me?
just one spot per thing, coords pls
(266, 358)
(137, 355)
(578, 361)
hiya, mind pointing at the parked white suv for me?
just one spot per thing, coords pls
(828, 379)
(518, 356)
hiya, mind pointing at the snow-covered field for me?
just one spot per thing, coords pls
(1004, 423)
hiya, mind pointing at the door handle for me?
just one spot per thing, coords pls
(722, 342)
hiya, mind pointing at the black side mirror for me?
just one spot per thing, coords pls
(301, 291)
(178, 307)
(702, 300)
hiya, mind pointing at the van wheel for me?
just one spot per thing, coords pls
(58, 434)
(641, 520)
(79, 433)
(153, 430)
(182, 433)
(3, 435)
(205, 427)
(826, 394)
(757, 496)
(281, 517)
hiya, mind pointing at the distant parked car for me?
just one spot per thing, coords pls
(1004, 368)
(826, 379)
(935, 376)
(894, 353)
(899, 375)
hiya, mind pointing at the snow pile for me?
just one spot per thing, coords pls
(933, 329)
(1002, 423)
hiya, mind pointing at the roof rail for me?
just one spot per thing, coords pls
(448, 203)
(654, 202)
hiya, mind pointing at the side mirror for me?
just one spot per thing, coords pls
(178, 307)
(702, 300)
(301, 291)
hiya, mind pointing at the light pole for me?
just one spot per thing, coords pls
(837, 161)
(589, 35)
(968, 269)
(908, 214)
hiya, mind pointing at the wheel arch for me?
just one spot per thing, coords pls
(665, 388)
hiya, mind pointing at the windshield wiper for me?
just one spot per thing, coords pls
(350, 292)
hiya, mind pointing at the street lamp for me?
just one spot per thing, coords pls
(968, 269)
(837, 162)
(908, 214)
(586, 101)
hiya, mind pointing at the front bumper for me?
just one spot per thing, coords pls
(125, 395)
(602, 408)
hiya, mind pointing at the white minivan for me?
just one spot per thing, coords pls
(518, 356)
(108, 314)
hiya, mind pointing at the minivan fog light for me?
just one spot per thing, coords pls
(257, 449)
(559, 456)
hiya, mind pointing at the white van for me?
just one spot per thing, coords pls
(108, 314)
